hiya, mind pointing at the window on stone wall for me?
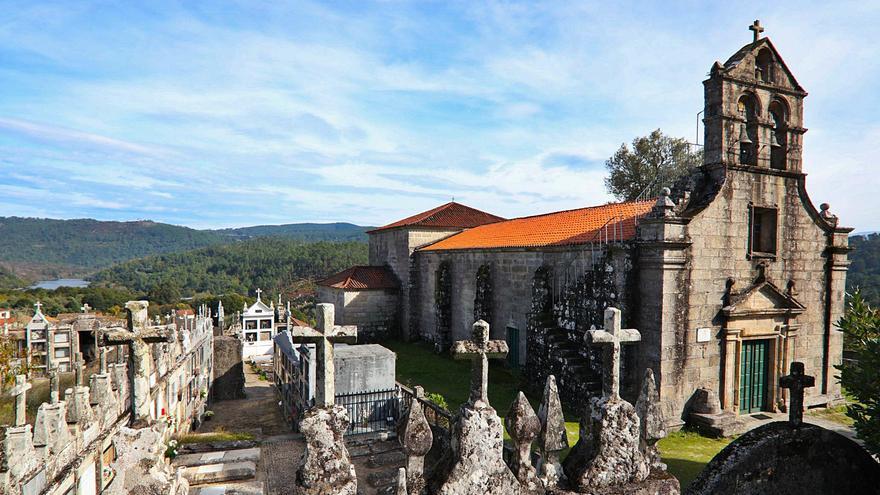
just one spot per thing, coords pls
(762, 239)
(483, 297)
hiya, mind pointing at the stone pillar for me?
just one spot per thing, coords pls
(730, 376)
(325, 466)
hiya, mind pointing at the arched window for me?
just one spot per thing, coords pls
(748, 130)
(779, 136)
(764, 66)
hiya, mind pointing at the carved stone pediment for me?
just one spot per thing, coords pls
(762, 299)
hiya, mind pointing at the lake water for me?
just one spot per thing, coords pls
(61, 282)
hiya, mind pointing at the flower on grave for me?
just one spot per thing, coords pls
(171, 449)
(106, 473)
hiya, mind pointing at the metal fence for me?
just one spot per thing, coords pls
(438, 418)
(371, 412)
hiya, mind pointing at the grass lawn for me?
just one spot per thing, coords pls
(685, 452)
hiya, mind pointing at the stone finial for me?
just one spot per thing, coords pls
(825, 213)
(401, 483)
(479, 349)
(19, 393)
(610, 338)
(553, 438)
(664, 207)
(102, 359)
(523, 427)
(416, 438)
(706, 401)
(651, 421)
(79, 369)
(796, 382)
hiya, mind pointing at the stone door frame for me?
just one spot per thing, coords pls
(782, 341)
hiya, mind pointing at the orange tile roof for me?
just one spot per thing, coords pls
(362, 277)
(616, 220)
(449, 215)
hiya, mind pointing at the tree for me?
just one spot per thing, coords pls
(861, 328)
(656, 161)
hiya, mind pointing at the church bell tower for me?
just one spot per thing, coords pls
(753, 115)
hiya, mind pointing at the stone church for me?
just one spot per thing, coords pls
(729, 276)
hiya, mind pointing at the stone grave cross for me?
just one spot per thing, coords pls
(611, 337)
(479, 349)
(86, 308)
(39, 306)
(796, 381)
(19, 391)
(138, 338)
(324, 337)
(54, 387)
(79, 369)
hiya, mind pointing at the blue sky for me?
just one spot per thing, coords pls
(217, 113)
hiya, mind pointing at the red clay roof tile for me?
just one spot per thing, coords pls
(616, 221)
(449, 215)
(362, 277)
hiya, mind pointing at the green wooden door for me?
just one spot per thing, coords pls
(513, 347)
(753, 376)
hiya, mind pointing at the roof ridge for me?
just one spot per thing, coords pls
(578, 209)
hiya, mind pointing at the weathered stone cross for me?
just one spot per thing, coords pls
(140, 361)
(85, 308)
(258, 292)
(324, 337)
(479, 349)
(757, 29)
(79, 369)
(19, 391)
(611, 337)
(796, 381)
(54, 389)
(39, 306)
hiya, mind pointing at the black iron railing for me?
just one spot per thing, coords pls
(374, 411)
(440, 419)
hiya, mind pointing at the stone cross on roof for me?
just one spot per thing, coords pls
(19, 391)
(611, 337)
(757, 29)
(796, 381)
(137, 337)
(324, 337)
(85, 308)
(479, 349)
(39, 307)
(259, 292)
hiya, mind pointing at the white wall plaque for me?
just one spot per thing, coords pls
(704, 334)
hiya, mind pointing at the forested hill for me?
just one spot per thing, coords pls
(269, 263)
(85, 244)
(864, 272)
(301, 231)
(41, 248)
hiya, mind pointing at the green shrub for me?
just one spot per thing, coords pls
(437, 399)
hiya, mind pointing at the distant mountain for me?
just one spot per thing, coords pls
(84, 245)
(302, 231)
(41, 248)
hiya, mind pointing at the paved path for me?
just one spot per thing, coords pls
(258, 411)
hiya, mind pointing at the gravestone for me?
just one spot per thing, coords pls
(416, 438)
(790, 457)
(325, 466)
(477, 465)
(553, 438)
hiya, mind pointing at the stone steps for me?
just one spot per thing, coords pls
(390, 458)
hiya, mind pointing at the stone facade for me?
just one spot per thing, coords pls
(734, 264)
(373, 311)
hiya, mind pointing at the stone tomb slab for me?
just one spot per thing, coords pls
(247, 488)
(216, 473)
(221, 457)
